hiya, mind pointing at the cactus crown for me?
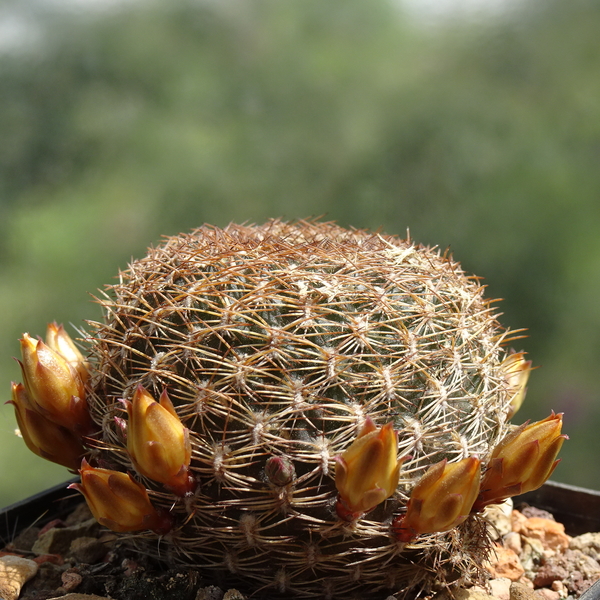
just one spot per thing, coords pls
(314, 375)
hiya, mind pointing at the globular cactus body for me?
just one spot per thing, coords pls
(276, 344)
(331, 417)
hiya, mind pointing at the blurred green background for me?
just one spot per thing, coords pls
(479, 131)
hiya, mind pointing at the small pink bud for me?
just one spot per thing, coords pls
(441, 499)
(158, 443)
(522, 461)
(368, 471)
(280, 470)
(119, 502)
(121, 425)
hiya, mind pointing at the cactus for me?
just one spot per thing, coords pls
(309, 377)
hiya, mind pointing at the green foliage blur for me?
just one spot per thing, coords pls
(118, 125)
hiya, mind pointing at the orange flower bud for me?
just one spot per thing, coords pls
(119, 502)
(158, 443)
(522, 461)
(367, 472)
(516, 370)
(54, 387)
(60, 341)
(441, 500)
(43, 437)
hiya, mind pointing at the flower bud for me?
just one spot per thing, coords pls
(280, 470)
(367, 472)
(119, 502)
(522, 461)
(516, 370)
(54, 387)
(42, 436)
(60, 341)
(158, 443)
(441, 500)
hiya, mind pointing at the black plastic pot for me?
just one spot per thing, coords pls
(54, 503)
(577, 508)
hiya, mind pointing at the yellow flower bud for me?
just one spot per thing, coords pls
(158, 443)
(42, 436)
(54, 387)
(516, 370)
(119, 502)
(522, 461)
(60, 341)
(441, 500)
(367, 472)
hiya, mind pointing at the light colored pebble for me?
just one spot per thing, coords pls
(519, 591)
(70, 580)
(526, 581)
(504, 562)
(14, 572)
(588, 543)
(512, 540)
(547, 594)
(550, 533)
(532, 555)
(476, 588)
(500, 587)
(517, 519)
(58, 539)
(499, 517)
(470, 594)
(560, 588)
